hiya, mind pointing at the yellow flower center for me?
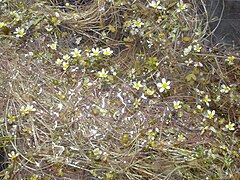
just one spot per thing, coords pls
(181, 6)
(164, 85)
(210, 116)
(138, 23)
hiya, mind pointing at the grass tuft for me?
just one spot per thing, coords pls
(115, 89)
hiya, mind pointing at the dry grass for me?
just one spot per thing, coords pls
(68, 122)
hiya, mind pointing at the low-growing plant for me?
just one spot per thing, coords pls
(115, 89)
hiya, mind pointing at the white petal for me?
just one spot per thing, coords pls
(159, 84)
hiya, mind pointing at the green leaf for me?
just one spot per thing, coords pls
(111, 28)
(191, 76)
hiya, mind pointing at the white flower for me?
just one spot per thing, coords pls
(149, 92)
(156, 5)
(164, 85)
(218, 98)
(15, 15)
(27, 109)
(187, 50)
(151, 134)
(181, 137)
(230, 126)
(2, 24)
(66, 57)
(97, 152)
(177, 104)
(188, 62)
(199, 107)
(13, 155)
(143, 96)
(181, 6)
(137, 85)
(107, 51)
(95, 52)
(60, 106)
(230, 60)
(198, 64)
(137, 23)
(75, 53)
(225, 89)
(86, 83)
(133, 71)
(23, 110)
(30, 108)
(59, 61)
(199, 92)
(206, 100)
(65, 65)
(57, 14)
(102, 74)
(49, 28)
(137, 102)
(197, 48)
(210, 114)
(223, 147)
(78, 40)
(19, 32)
(53, 46)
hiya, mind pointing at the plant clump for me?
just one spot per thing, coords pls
(115, 89)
